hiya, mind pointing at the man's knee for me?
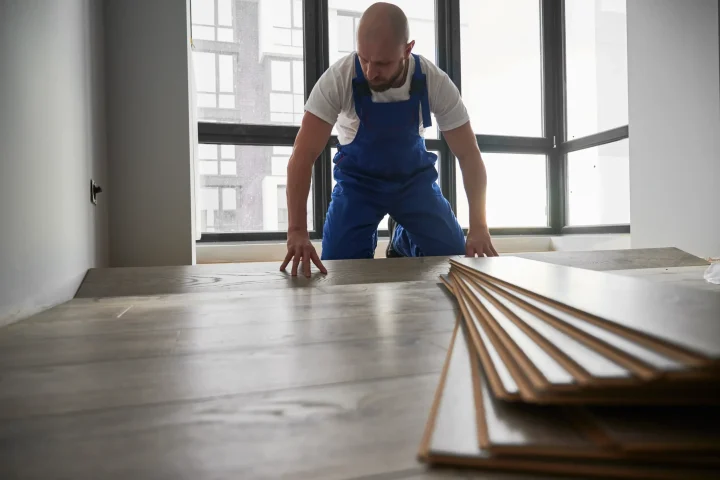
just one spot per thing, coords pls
(347, 235)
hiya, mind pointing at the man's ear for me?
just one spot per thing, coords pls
(408, 49)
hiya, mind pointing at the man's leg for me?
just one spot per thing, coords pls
(426, 226)
(350, 229)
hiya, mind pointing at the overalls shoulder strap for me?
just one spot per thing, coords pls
(418, 87)
(360, 87)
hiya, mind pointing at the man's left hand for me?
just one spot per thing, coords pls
(478, 243)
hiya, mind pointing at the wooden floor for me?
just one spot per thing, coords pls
(238, 371)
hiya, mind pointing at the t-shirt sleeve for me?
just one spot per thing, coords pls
(326, 98)
(445, 100)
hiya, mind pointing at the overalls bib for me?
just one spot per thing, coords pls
(386, 169)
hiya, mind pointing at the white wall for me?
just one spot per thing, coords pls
(674, 120)
(51, 143)
(148, 132)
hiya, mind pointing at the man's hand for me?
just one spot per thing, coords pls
(300, 249)
(479, 243)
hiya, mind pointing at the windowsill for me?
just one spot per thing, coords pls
(275, 251)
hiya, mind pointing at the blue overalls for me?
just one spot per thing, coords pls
(387, 170)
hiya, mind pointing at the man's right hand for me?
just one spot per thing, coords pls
(300, 249)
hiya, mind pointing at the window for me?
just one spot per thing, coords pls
(599, 185)
(501, 57)
(215, 79)
(252, 198)
(516, 191)
(217, 160)
(287, 23)
(287, 91)
(596, 66)
(212, 20)
(596, 109)
(544, 82)
(248, 61)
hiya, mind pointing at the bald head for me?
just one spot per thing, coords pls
(384, 21)
(383, 47)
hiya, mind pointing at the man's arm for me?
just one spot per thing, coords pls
(309, 143)
(311, 140)
(463, 144)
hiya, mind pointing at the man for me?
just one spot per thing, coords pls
(381, 98)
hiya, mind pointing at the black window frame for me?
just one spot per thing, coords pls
(553, 143)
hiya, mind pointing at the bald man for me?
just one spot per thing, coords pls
(381, 98)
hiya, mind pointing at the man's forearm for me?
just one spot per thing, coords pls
(475, 182)
(299, 175)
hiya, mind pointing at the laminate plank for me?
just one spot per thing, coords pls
(330, 432)
(77, 318)
(689, 277)
(249, 276)
(192, 341)
(623, 259)
(502, 380)
(594, 363)
(681, 317)
(595, 335)
(76, 388)
(453, 437)
(520, 344)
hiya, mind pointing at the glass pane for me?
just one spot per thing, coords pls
(253, 45)
(345, 34)
(596, 57)
(280, 75)
(229, 200)
(500, 48)
(281, 117)
(228, 168)
(207, 152)
(299, 104)
(205, 76)
(203, 33)
(282, 13)
(297, 13)
(599, 185)
(281, 102)
(203, 12)
(298, 80)
(227, 74)
(227, 101)
(227, 151)
(208, 168)
(297, 38)
(224, 13)
(225, 35)
(282, 36)
(516, 191)
(248, 191)
(207, 100)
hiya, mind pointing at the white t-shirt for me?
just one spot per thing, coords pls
(331, 99)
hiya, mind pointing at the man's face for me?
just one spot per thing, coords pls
(383, 62)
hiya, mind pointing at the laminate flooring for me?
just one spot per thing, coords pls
(239, 371)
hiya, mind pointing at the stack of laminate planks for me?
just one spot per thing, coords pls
(555, 369)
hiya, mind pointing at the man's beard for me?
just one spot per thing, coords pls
(389, 84)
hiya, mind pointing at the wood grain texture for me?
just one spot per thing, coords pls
(680, 317)
(317, 433)
(123, 383)
(453, 440)
(205, 372)
(211, 278)
(606, 260)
